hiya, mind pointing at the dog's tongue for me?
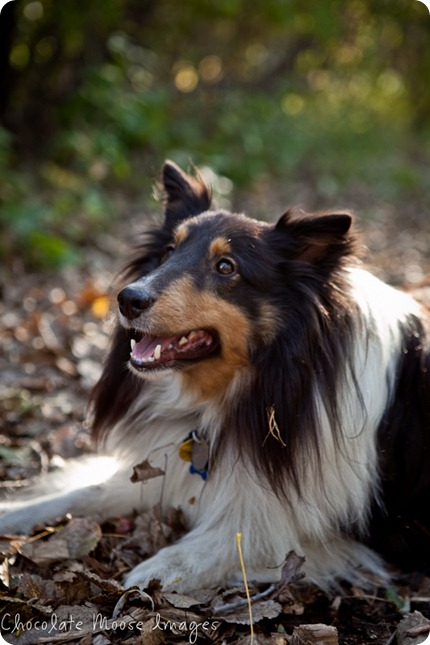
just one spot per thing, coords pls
(155, 351)
(146, 347)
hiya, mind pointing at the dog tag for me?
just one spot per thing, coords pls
(196, 451)
(200, 455)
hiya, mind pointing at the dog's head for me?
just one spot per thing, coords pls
(192, 308)
(209, 287)
(213, 296)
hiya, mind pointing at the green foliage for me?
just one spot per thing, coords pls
(46, 232)
(403, 605)
(331, 97)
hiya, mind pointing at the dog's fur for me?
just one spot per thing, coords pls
(309, 382)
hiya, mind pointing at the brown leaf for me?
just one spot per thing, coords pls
(33, 587)
(261, 609)
(144, 471)
(107, 586)
(78, 538)
(180, 601)
(67, 591)
(290, 573)
(315, 635)
(412, 629)
(291, 568)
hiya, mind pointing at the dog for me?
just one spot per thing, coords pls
(281, 389)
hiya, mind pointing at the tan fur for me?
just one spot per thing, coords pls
(182, 307)
(268, 322)
(181, 234)
(219, 246)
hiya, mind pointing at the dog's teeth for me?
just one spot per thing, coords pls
(132, 343)
(150, 359)
(157, 352)
(192, 335)
(170, 346)
(183, 341)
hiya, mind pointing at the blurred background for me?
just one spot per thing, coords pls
(281, 102)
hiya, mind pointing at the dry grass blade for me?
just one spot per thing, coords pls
(274, 430)
(245, 582)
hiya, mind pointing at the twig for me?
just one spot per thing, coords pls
(240, 602)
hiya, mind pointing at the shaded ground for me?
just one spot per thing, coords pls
(54, 332)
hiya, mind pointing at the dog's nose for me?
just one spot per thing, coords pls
(132, 302)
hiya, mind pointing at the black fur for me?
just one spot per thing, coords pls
(400, 527)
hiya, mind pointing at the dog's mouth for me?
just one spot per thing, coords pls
(151, 352)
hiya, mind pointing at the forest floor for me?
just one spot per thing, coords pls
(62, 584)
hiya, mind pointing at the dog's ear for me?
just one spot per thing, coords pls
(315, 238)
(184, 195)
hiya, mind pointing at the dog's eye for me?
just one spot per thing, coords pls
(225, 266)
(170, 248)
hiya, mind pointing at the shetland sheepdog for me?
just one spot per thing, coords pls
(283, 391)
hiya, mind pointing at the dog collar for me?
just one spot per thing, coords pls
(196, 451)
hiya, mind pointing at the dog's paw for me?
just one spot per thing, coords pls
(155, 569)
(173, 568)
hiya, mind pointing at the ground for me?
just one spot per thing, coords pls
(63, 583)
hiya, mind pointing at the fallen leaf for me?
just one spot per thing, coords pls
(144, 471)
(261, 609)
(413, 629)
(291, 569)
(180, 601)
(77, 539)
(314, 635)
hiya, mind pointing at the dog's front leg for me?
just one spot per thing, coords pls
(196, 561)
(208, 555)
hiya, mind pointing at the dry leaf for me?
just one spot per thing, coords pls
(77, 539)
(180, 601)
(261, 609)
(144, 471)
(413, 629)
(291, 569)
(290, 573)
(315, 635)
